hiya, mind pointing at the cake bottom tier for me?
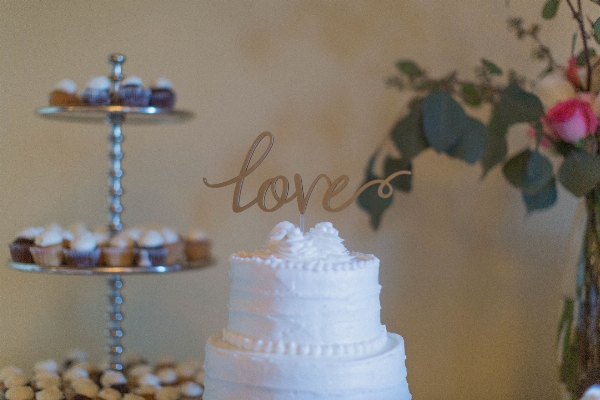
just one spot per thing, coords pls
(236, 374)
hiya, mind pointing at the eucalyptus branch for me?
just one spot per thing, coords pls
(578, 16)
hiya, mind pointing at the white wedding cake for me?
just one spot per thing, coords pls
(304, 323)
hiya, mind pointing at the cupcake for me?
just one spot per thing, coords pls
(64, 94)
(84, 389)
(168, 393)
(19, 248)
(109, 394)
(197, 245)
(5, 373)
(47, 248)
(114, 380)
(46, 365)
(83, 251)
(150, 249)
(173, 244)
(119, 251)
(131, 396)
(97, 92)
(146, 391)
(187, 371)
(50, 393)
(162, 94)
(132, 92)
(167, 376)
(15, 380)
(45, 380)
(73, 357)
(19, 393)
(191, 391)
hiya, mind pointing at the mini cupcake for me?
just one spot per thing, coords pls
(50, 393)
(64, 94)
(84, 389)
(165, 361)
(197, 245)
(73, 357)
(162, 94)
(167, 376)
(47, 248)
(46, 365)
(191, 391)
(19, 248)
(149, 379)
(15, 380)
(109, 394)
(132, 92)
(19, 393)
(115, 380)
(97, 92)
(131, 396)
(44, 379)
(168, 393)
(119, 252)
(187, 371)
(5, 373)
(150, 249)
(148, 392)
(173, 244)
(83, 251)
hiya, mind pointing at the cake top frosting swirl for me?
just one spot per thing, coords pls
(287, 242)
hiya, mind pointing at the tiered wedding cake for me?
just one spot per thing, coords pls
(304, 323)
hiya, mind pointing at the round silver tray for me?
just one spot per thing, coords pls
(130, 115)
(68, 270)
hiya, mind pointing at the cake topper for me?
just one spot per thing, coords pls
(283, 196)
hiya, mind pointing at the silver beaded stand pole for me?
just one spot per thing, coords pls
(114, 316)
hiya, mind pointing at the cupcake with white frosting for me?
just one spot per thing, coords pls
(19, 393)
(64, 94)
(150, 249)
(173, 244)
(119, 252)
(97, 92)
(191, 391)
(47, 248)
(162, 94)
(83, 251)
(19, 248)
(114, 380)
(133, 93)
(50, 393)
(197, 245)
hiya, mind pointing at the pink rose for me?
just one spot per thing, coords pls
(572, 120)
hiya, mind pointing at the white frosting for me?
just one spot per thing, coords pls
(167, 376)
(77, 228)
(74, 373)
(196, 235)
(169, 235)
(19, 393)
(132, 80)
(84, 242)
(31, 232)
(151, 238)
(149, 379)
(110, 378)
(10, 370)
(98, 83)
(304, 323)
(49, 237)
(592, 393)
(47, 365)
(140, 370)
(122, 240)
(191, 389)
(67, 85)
(163, 83)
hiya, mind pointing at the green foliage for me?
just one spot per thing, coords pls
(568, 345)
(579, 172)
(409, 68)
(491, 67)
(550, 9)
(408, 134)
(369, 200)
(393, 165)
(529, 171)
(543, 198)
(471, 94)
(597, 30)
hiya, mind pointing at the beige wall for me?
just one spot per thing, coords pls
(472, 283)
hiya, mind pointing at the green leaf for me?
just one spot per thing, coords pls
(550, 9)
(408, 135)
(442, 120)
(542, 199)
(471, 94)
(514, 106)
(491, 67)
(409, 68)
(471, 146)
(580, 60)
(402, 182)
(597, 30)
(369, 200)
(580, 172)
(529, 171)
(568, 367)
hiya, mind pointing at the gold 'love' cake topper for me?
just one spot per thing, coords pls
(270, 185)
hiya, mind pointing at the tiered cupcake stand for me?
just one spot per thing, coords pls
(115, 116)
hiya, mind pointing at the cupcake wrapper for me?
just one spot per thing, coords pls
(197, 250)
(95, 97)
(50, 256)
(20, 253)
(162, 99)
(78, 258)
(134, 96)
(117, 257)
(155, 256)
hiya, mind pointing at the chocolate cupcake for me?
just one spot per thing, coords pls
(97, 92)
(162, 94)
(132, 92)
(19, 248)
(64, 94)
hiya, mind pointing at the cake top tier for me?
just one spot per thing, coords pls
(287, 242)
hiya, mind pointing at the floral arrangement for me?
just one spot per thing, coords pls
(561, 109)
